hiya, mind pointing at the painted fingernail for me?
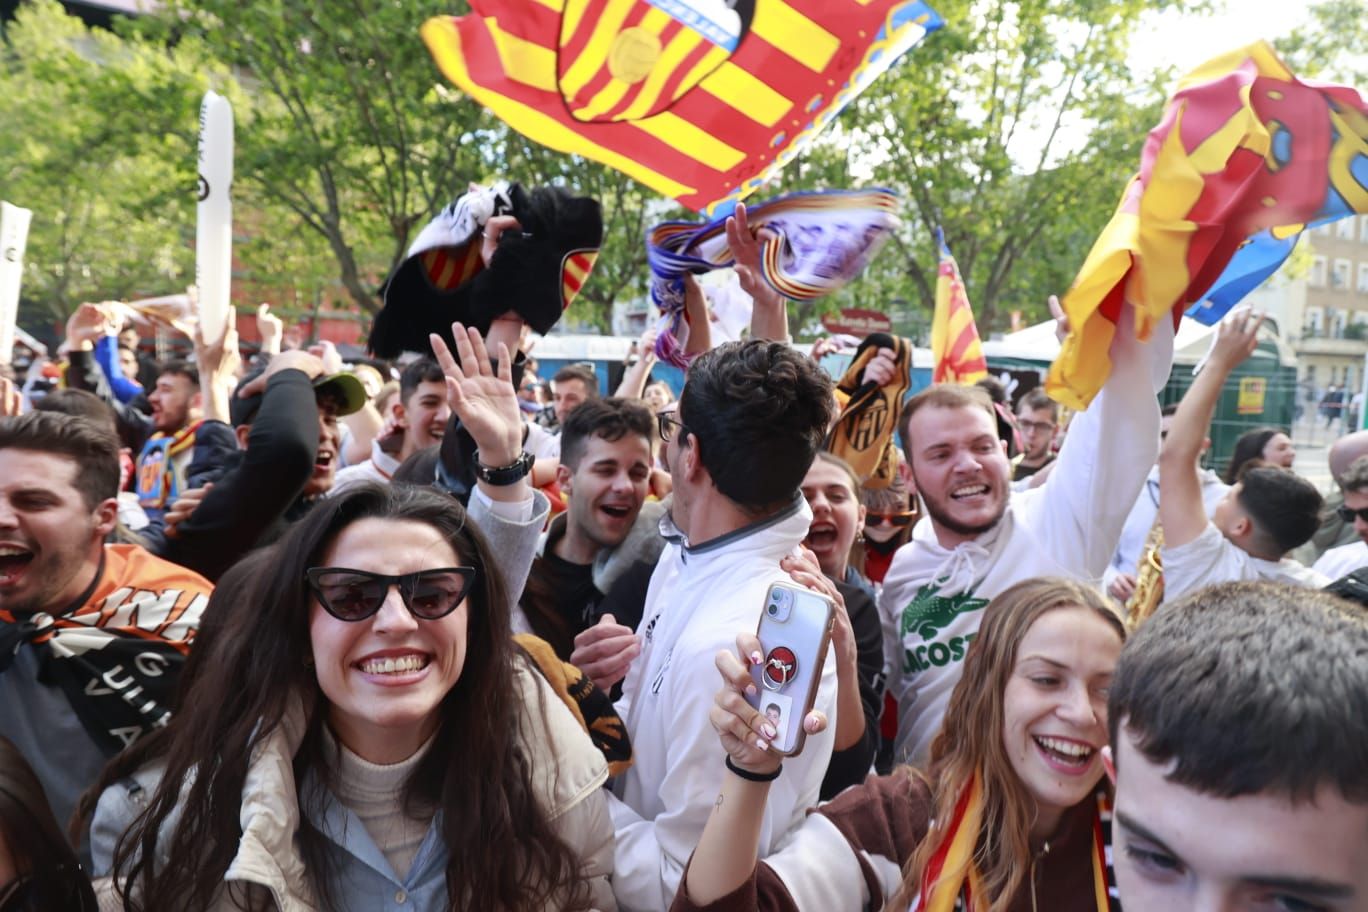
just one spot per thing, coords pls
(750, 690)
(770, 731)
(756, 658)
(762, 744)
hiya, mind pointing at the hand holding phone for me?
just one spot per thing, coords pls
(794, 634)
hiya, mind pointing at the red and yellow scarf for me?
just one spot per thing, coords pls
(950, 874)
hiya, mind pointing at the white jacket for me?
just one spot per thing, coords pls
(567, 774)
(933, 598)
(699, 600)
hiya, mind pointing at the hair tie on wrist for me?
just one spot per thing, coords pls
(754, 777)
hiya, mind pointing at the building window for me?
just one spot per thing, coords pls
(1318, 268)
(1339, 275)
(1363, 277)
(1363, 228)
(1344, 229)
(1314, 321)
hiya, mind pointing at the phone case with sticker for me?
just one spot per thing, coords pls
(794, 633)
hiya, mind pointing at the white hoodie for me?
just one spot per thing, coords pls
(933, 597)
(699, 600)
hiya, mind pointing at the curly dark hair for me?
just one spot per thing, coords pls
(247, 664)
(759, 411)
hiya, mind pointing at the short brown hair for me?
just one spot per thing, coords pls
(94, 449)
(946, 396)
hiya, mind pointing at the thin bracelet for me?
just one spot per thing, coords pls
(754, 777)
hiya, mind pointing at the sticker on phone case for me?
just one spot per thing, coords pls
(781, 667)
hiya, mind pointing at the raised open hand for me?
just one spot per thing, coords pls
(484, 400)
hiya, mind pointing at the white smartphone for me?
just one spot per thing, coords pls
(794, 633)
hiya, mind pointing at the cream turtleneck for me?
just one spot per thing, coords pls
(374, 792)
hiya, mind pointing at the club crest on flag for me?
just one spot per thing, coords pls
(575, 269)
(620, 60)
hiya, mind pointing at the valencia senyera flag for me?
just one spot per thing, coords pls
(700, 100)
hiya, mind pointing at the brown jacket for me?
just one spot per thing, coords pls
(849, 854)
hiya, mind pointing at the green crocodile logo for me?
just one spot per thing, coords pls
(929, 612)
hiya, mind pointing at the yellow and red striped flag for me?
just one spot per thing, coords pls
(1245, 149)
(954, 337)
(700, 100)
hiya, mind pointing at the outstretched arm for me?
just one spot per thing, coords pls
(769, 317)
(1181, 510)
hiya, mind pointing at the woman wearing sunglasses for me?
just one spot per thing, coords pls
(1011, 814)
(890, 514)
(833, 493)
(359, 733)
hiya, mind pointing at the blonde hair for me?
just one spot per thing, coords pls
(971, 740)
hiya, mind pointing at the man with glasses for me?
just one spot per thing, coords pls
(750, 421)
(1038, 419)
(1353, 512)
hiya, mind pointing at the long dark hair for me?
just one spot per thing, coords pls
(1250, 445)
(49, 878)
(501, 846)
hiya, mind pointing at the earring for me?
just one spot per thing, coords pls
(859, 537)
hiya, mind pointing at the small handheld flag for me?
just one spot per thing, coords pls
(954, 337)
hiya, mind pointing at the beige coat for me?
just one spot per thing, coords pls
(568, 774)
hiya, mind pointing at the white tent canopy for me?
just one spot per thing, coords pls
(1038, 343)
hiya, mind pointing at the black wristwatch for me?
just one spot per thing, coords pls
(504, 475)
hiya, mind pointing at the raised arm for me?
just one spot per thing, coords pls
(1080, 510)
(218, 367)
(1181, 510)
(769, 317)
(634, 378)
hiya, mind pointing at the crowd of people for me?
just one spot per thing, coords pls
(291, 634)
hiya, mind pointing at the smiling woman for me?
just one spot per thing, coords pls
(1009, 809)
(357, 727)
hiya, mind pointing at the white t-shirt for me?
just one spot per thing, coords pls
(541, 443)
(1211, 558)
(1342, 561)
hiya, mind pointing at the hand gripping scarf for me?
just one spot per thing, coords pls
(823, 240)
(866, 433)
(537, 272)
(952, 882)
(118, 651)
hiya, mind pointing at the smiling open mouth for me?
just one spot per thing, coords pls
(395, 666)
(1065, 753)
(617, 511)
(973, 490)
(13, 562)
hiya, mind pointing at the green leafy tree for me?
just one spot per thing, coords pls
(1015, 129)
(99, 143)
(348, 128)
